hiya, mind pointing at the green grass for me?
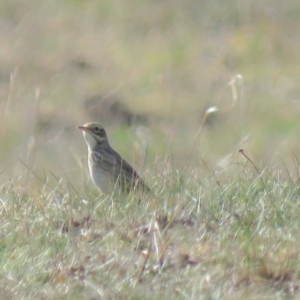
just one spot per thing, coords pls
(221, 223)
(213, 236)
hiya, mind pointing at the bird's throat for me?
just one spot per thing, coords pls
(90, 140)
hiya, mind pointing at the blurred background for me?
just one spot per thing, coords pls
(177, 84)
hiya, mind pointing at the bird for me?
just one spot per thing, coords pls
(108, 170)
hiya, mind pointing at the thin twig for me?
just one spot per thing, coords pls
(242, 151)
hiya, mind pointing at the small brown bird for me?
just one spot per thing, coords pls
(109, 171)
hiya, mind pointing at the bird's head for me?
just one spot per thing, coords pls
(94, 134)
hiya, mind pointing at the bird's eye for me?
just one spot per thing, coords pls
(99, 131)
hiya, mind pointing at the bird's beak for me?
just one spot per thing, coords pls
(83, 128)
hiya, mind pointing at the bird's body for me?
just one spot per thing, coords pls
(108, 170)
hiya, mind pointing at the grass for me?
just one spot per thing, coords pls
(215, 236)
(223, 219)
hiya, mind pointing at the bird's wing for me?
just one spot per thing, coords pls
(133, 180)
(112, 162)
